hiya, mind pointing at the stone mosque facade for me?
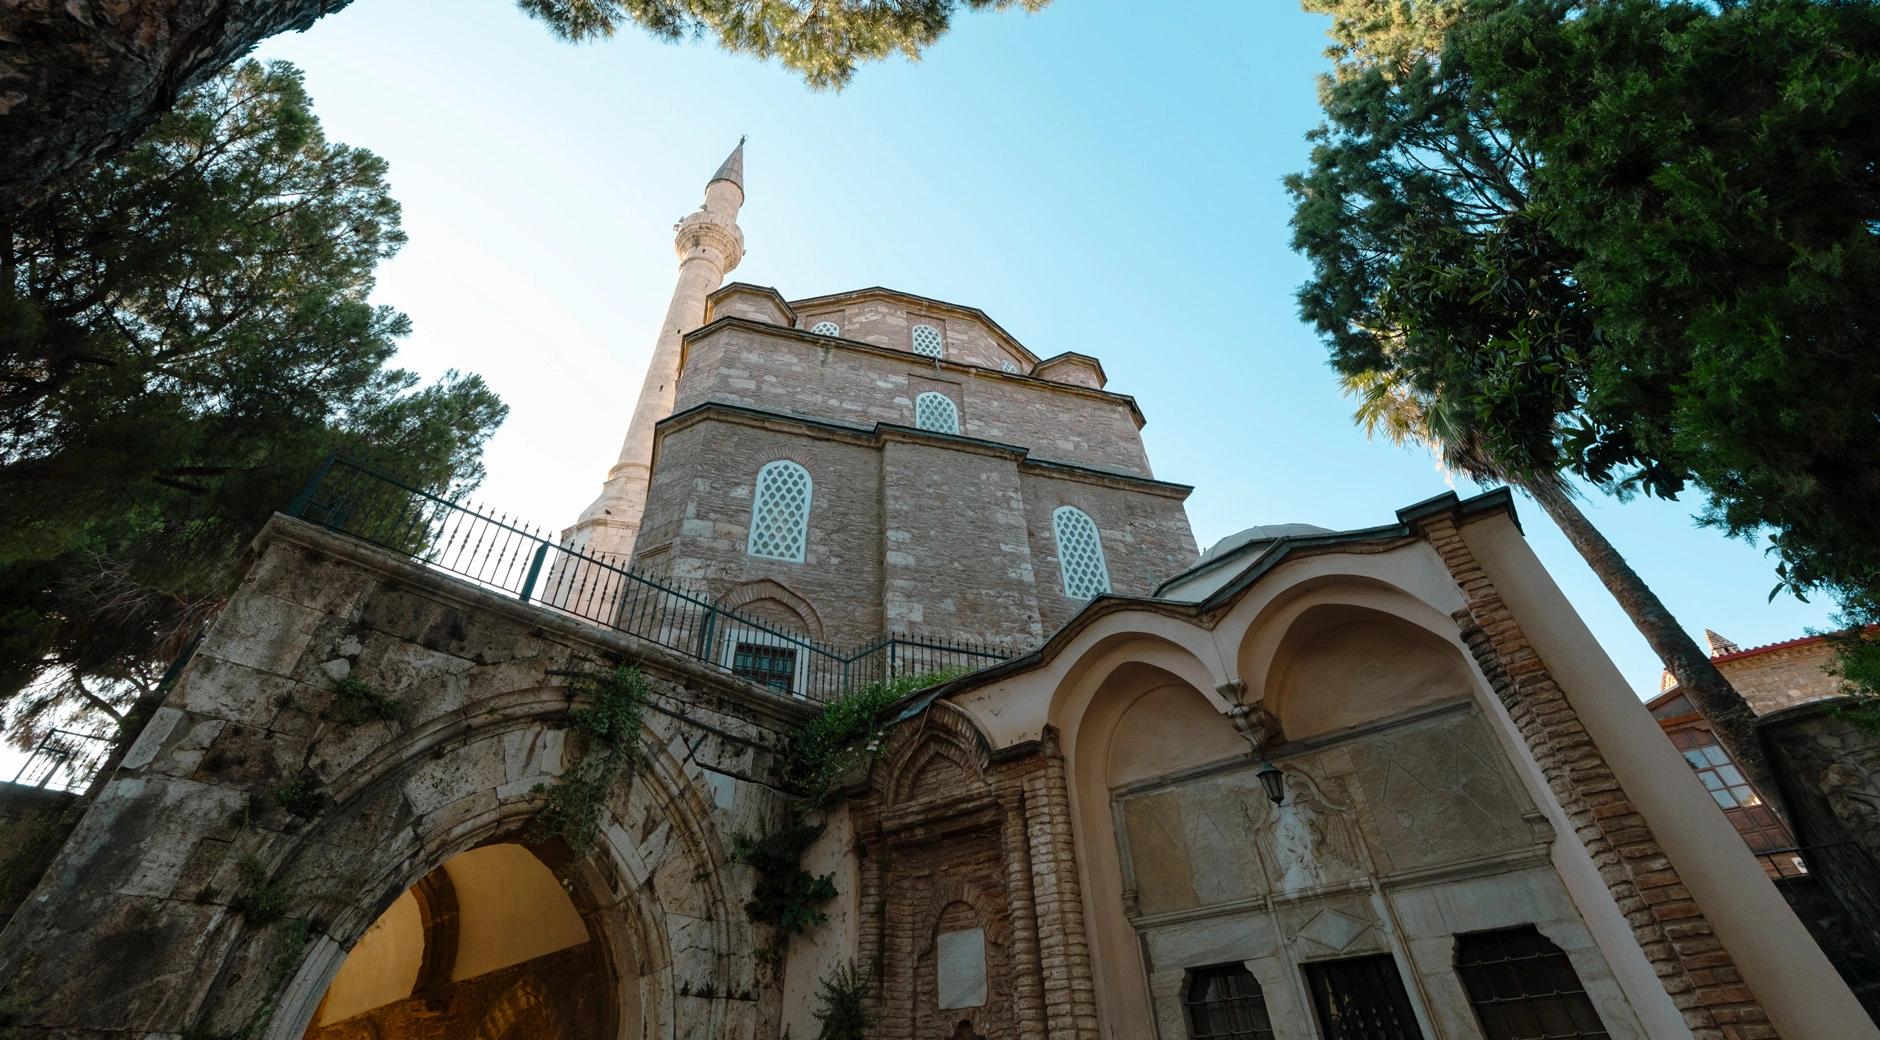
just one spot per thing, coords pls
(1342, 785)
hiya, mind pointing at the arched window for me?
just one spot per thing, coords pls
(1224, 1003)
(1523, 987)
(780, 512)
(927, 342)
(1080, 553)
(826, 328)
(1007, 366)
(936, 412)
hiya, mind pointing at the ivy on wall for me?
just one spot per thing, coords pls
(819, 758)
(611, 726)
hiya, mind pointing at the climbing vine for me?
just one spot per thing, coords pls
(846, 735)
(611, 725)
(356, 701)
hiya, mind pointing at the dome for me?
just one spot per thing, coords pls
(1262, 533)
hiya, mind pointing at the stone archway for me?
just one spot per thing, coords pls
(666, 939)
(493, 944)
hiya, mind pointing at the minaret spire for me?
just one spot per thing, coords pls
(709, 244)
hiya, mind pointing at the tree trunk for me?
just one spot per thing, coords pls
(1730, 716)
(81, 79)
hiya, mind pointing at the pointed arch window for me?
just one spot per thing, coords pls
(1225, 1003)
(927, 341)
(826, 328)
(780, 512)
(1523, 987)
(1080, 553)
(936, 412)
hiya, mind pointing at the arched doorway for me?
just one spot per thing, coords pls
(489, 946)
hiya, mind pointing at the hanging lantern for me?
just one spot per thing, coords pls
(1275, 783)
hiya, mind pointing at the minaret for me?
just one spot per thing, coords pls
(709, 245)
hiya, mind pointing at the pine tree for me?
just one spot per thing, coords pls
(184, 333)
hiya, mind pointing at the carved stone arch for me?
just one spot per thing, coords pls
(942, 740)
(652, 891)
(766, 597)
(991, 918)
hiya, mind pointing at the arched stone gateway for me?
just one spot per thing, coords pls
(259, 828)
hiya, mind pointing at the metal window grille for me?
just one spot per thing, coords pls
(780, 512)
(772, 666)
(936, 412)
(1224, 1003)
(1523, 987)
(927, 341)
(1362, 999)
(826, 328)
(1080, 553)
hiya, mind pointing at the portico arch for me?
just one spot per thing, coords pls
(668, 943)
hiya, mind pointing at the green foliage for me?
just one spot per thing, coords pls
(842, 1000)
(262, 900)
(1633, 240)
(824, 42)
(356, 701)
(786, 897)
(847, 734)
(611, 725)
(184, 334)
(302, 797)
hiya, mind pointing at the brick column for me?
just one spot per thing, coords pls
(1064, 952)
(1028, 994)
(1670, 927)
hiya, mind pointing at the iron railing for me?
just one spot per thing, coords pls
(63, 760)
(501, 553)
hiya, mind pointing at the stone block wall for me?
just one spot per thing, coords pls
(253, 832)
(909, 533)
(1145, 535)
(1783, 678)
(795, 375)
(955, 555)
(698, 518)
(889, 322)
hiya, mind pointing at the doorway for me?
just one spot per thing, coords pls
(489, 946)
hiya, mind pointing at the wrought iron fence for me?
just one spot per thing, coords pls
(501, 553)
(63, 760)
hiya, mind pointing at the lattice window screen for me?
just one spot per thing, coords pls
(1007, 366)
(826, 328)
(1080, 553)
(780, 512)
(936, 412)
(927, 341)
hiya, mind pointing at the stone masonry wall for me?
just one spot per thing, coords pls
(741, 365)
(1783, 678)
(1145, 538)
(1690, 960)
(952, 840)
(699, 514)
(250, 788)
(889, 323)
(909, 533)
(956, 562)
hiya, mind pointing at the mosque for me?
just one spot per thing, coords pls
(1345, 785)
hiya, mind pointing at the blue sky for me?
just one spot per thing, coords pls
(1102, 176)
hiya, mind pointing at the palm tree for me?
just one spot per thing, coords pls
(1391, 407)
